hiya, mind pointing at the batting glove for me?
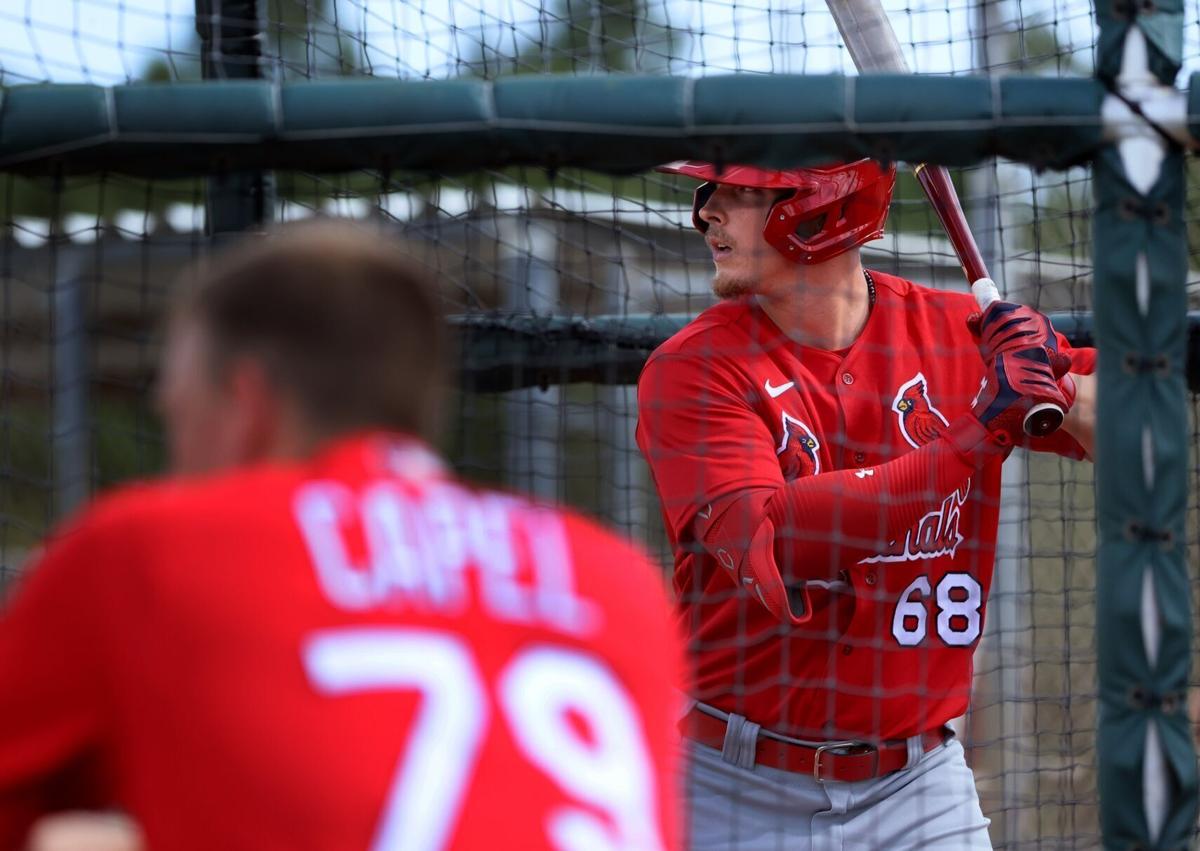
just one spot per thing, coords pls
(1007, 327)
(1014, 382)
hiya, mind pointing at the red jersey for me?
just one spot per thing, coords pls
(351, 652)
(889, 612)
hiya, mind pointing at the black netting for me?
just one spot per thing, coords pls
(86, 267)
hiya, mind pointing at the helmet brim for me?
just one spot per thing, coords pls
(743, 175)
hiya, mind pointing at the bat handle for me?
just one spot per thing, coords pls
(1043, 418)
(985, 292)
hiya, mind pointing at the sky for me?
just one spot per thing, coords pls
(111, 41)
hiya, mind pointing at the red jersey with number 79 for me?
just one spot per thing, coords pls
(353, 652)
(890, 617)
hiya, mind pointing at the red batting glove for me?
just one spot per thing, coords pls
(756, 572)
(1007, 327)
(1013, 383)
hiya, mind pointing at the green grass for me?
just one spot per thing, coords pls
(126, 443)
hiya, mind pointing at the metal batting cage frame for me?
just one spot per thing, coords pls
(245, 126)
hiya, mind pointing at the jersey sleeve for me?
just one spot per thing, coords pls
(51, 693)
(776, 541)
(700, 435)
(1083, 362)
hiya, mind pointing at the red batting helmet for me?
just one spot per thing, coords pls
(853, 198)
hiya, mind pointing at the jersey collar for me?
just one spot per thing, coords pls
(391, 453)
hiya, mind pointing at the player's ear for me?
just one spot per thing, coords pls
(256, 412)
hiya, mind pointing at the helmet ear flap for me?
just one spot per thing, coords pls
(703, 192)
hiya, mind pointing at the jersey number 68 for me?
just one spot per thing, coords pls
(958, 602)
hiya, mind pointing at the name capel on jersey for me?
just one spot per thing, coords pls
(419, 545)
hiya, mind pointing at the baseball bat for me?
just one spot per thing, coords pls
(873, 47)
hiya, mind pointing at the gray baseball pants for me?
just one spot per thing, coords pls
(736, 805)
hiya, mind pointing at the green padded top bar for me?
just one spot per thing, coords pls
(617, 124)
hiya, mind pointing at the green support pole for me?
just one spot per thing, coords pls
(231, 35)
(1147, 763)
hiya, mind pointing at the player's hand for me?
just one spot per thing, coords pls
(1014, 382)
(85, 831)
(1007, 327)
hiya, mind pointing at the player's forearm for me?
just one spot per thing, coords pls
(1080, 421)
(822, 523)
(773, 539)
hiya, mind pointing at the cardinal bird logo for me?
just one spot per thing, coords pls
(920, 422)
(798, 450)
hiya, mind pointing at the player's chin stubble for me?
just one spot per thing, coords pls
(725, 285)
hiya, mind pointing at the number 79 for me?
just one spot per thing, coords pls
(536, 693)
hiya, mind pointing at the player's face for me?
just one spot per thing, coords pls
(745, 263)
(201, 414)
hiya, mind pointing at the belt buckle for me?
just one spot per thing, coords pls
(829, 746)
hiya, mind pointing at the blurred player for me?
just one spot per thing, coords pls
(315, 637)
(827, 445)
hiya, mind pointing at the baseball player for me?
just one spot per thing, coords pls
(315, 637)
(827, 444)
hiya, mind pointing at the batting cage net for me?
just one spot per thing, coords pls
(561, 282)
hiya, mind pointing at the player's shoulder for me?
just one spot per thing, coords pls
(590, 536)
(722, 323)
(151, 507)
(585, 535)
(616, 571)
(582, 531)
(917, 297)
(710, 351)
(919, 293)
(595, 551)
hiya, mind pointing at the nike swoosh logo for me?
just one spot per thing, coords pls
(776, 392)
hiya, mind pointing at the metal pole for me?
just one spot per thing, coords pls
(1006, 648)
(231, 33)
(533, 435)
(70, 432)
(626, 509)
(1010, 642)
